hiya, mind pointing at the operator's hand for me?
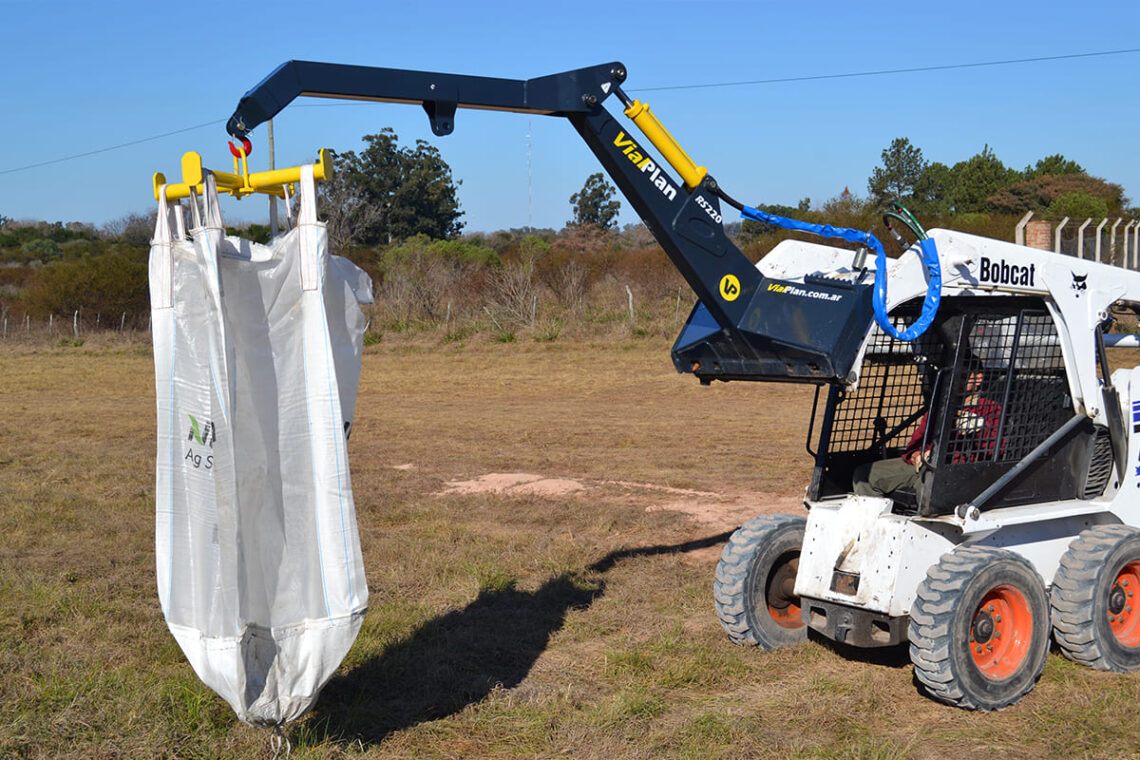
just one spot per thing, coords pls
(916, 459)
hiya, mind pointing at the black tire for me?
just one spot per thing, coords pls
(755, 579)
(979, 628)
(1096, 619)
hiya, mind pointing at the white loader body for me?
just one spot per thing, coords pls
(891, 553)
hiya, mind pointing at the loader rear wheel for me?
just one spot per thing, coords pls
(1096, 612)
(979, 628)
(755, 583)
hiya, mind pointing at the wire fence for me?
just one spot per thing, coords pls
(1105, 240)
(501, 311)
(19, 327)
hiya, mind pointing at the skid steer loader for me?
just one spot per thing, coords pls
(984, 363)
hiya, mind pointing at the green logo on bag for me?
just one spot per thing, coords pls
(203, 436)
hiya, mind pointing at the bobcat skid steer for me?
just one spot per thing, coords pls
(1017, 523)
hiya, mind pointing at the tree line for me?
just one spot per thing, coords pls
(394, 209)
(1054, 186)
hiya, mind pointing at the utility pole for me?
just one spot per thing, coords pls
(529, 178)
(272, 198)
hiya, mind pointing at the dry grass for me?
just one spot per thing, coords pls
(500, 625)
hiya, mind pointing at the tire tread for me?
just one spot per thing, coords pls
(730, 584)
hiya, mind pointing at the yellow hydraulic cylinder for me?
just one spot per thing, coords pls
(690, 173)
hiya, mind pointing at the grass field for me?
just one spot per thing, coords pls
(567, 615)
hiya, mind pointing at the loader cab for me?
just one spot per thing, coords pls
(978, 391)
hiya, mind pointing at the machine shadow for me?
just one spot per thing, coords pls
(458, 658)
(896, 656)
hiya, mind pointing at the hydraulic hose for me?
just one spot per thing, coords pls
(879, 294)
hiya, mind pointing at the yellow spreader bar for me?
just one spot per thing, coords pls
(241, 182)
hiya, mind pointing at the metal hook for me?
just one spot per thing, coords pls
(245, 143)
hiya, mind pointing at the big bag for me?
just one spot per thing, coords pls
(257, 353)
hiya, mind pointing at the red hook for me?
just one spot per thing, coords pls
(245, 143)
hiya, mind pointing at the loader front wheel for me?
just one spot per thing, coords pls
(1096, 604)
(755, 583)
(979, 628)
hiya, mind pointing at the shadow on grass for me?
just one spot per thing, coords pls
(896, 656)
(457, 659)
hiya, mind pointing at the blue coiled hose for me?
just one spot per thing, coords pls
(879, 294)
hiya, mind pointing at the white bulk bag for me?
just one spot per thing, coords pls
(257, 359)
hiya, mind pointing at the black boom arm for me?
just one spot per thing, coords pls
(745, 326)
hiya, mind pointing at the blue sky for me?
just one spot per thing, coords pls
(83, 76)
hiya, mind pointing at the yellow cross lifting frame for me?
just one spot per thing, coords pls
(241, 182)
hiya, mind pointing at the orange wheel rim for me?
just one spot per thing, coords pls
(779, 593)
(1001, 632)
(1123, 618)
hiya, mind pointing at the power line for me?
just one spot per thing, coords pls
(113, 147)
(943, 67)
(780, 80)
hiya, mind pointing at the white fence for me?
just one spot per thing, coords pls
(1111, 241)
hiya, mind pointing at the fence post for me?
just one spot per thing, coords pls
(1099, 227)
(27, 325)
(1081, 238)
(1057, 235)
(1019, 230)
(1112, 239)
(51, 325)
(122, 321)
(75, 323)
(630, 292)
(1124, 251)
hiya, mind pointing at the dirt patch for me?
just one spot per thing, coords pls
(514, 484)
(729, 511)
(708, 510)
(655, 487)
(725, 513)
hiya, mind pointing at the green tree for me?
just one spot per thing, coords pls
(932, 191)
(595, 203)
(1077, 205)
(387, 193)
(974, 180)
(41, 248)
(902, 170)
(1055, 165)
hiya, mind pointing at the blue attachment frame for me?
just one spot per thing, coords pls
(879, 294)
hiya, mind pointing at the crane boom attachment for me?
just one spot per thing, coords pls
(746, 326)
